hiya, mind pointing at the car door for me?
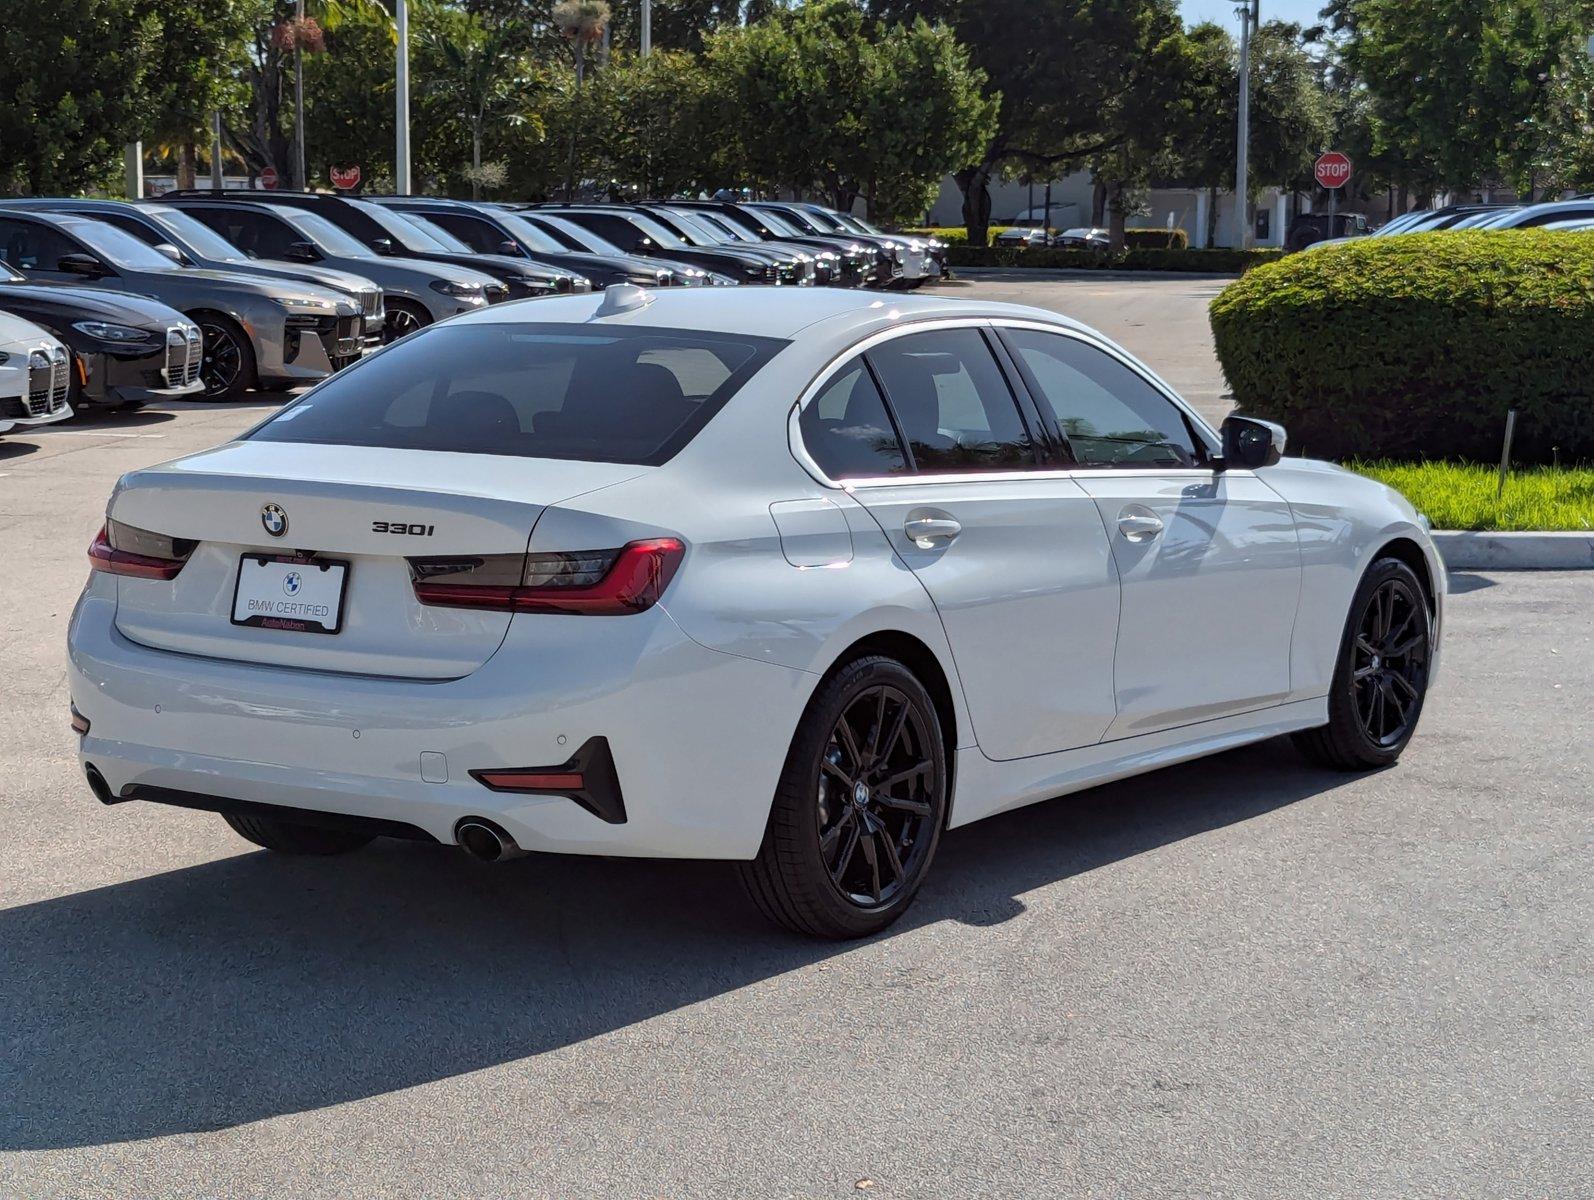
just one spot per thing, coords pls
(480, 235)
(1010, 550)
(1209, 560)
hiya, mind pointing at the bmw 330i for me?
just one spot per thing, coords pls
(797, 580)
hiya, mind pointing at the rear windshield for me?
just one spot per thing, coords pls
(533, 391)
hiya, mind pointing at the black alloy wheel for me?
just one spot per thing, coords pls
(860, 807)
(876, 778)
(226, 362)
(402, 319)
(1381, 679)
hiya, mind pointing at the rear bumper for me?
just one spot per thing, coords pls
(698, 736)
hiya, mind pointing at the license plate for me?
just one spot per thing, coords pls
(913, 264)
(300, 595)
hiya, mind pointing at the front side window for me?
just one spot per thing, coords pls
(530, 390)
(257, 234)
(846, 429)
(28, 246)
(1109, 414)
(952, 403)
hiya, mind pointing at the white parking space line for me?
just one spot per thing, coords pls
(102, 433)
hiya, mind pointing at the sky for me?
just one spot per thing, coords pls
(1303, 12)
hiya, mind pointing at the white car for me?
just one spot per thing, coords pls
(34, 375)
(795, 580)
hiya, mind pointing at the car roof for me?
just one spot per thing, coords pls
(768, 312)
(58, 219)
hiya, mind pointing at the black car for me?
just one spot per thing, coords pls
(490, 231)
(1310, 228)
(637, 233)
(126, 350)
(389, 232)
(862, 262)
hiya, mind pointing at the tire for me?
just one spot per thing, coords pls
(228, 365)
(403, 317)
(285, 837)
(1381, 678)
(836, 862)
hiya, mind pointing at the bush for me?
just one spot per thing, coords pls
(1218, 262)
(952, 235)
(1156, 239)
(1416, 346)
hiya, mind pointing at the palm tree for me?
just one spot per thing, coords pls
(582, 23)
(482, 77)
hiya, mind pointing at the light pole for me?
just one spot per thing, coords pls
(1250, 18)
(216, 180)
(647, 27)
(401, 158)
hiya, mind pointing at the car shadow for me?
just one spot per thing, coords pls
(10, 448)
(89, 417)
(1463, 582)
(257, 985)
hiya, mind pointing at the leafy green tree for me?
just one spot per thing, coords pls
(651, 120)
(202, 61)
(75, 81)
(822, 97)
(1461, 90)
(581, 23)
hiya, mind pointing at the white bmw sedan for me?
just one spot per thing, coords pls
(797, 580)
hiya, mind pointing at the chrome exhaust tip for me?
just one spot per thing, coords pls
(484, 841)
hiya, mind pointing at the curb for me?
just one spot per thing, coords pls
(1465, 550)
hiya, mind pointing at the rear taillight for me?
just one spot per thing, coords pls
(597, 582)
(124, 550)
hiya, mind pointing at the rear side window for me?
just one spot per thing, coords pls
(533, 391)
(952, 403)
(846, 430)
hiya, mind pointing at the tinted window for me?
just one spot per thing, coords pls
(1110, 415)
(537, 391)
(846, 429)
(622, 233)
(257, 234)
(473, 231)
(951, 402)
(30, 247)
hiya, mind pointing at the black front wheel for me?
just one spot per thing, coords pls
(227, 365)
(859, 809)
(403, 318)
(1381, 679)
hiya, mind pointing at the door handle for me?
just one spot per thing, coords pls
(1139, 525)
(926, 531)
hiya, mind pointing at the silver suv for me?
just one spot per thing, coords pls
(257, 332)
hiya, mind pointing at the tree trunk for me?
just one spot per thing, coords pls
(476, 158)
(975, 184)
(1212, 217)
(1118, 225)
(1098, 204)
(186, 169)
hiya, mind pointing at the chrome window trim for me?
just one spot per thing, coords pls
(828, 372)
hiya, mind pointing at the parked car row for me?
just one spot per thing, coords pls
(210, 293)
(1027, 237)
(1576, 215)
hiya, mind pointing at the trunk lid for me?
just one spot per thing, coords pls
(368, 507)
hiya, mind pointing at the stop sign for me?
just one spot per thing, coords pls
(1333, 170)
(268, 177)
(346, 178)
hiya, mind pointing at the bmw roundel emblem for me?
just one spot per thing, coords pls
(292, 583)
(274, 519)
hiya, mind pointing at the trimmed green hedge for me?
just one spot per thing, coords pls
(1219, 262)
(952, 235)
(1156, 239)
(1416, 346)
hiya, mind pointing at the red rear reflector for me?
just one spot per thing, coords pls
(105, 557)
(634, 582)
(531, 781)
(80, 723)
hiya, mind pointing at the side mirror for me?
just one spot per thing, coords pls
(81, 264)
(1249, 443)
(304, 252)
(172, 252)
(510, 248)
(382, 245)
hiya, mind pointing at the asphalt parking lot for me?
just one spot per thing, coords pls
(1244, 978)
